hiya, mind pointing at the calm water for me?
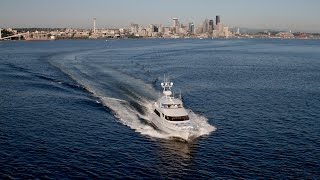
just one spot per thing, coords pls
(77, 109)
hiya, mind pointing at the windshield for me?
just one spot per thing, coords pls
(172, 105)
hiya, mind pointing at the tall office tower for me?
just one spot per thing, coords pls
(160, 28)
(154, 28)
(175, 22)
(134, 28)
(94, 25)
(217, 20)
(191, 28)
(205, 26)
(238, 31)
(176, 25)
(211, 24)
(199, 30)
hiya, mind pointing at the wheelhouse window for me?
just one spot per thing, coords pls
(172, 106)
(177, 118)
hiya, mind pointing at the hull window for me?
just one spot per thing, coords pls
(178, 118)
(157, 112)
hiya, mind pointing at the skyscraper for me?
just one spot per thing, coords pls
(191, 28)
(205, 26)
(211, 24)
(217, 19)
(176, 25)
(134, 28)
(154, 28)
(175, 22)
(238, 31)
(94, 25)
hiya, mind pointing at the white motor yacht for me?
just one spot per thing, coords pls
(170, 116)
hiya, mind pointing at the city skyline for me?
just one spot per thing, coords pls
(295, 15)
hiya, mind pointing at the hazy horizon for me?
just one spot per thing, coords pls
(295, 15)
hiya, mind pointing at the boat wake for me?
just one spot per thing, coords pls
(140, 122)
(128, 98)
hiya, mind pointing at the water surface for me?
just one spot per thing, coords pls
(76, 109)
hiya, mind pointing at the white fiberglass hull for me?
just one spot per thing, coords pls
(171, 128)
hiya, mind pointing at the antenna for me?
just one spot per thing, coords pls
(166, 78)
(166, 85)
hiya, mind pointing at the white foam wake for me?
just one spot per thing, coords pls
(122, 109)
(204, 128)
(133, 119)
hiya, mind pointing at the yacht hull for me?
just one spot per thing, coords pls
(171, 129)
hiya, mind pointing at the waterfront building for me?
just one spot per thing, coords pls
(226, 32)
(199, 30)
(143, 32)
(167, 31)
(160, 28)
(134, 29)
(238, 31)
(215, 33)
(183, 30)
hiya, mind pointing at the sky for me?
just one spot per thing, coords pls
(295, 15)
